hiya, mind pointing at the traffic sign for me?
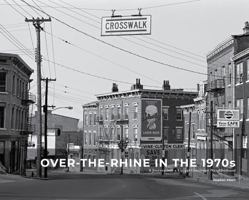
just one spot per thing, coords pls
(126, 25)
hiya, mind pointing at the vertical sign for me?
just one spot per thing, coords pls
(151, 124)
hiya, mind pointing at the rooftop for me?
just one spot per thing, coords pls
(18, 59)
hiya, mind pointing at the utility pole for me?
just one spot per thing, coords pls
(83, 142)
(211, 138)
(37, 24)
(45, 109)
(189, 134)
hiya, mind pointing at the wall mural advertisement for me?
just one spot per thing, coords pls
(151, 120)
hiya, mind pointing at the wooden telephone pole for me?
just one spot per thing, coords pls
(37, 24)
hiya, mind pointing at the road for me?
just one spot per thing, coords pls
(82, 186)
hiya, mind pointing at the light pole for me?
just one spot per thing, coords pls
(46, 130)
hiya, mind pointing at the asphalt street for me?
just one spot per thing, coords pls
(82, 186)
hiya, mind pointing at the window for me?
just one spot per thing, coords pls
(112, 134)
(178, 114)
(135, 112)
(229, 73)
(118, 133)
(126, 132)
(165, 113)
(13, 84)
(126, 112)
(101, 132)
(239, 105)
(94, 119)
(119, 112)
(2, 109)
(112, 113)
(101, 114)
(223, 72)
(248, 108)
(106, 114)
(12, 118)
(135, 134)
(90, 118)
(165, 133)
(86, 119)
(179, 133)
(2, 81)
(239, 73)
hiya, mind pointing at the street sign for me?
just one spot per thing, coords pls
(227, 118)
(126, 25)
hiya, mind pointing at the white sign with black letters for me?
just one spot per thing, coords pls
(126, 25)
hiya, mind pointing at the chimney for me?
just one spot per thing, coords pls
(166, 85)
(114, 87)
(198, 87)
(246, 28)
(138, 85)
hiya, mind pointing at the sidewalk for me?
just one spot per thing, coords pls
(221, 180)
(7, 178)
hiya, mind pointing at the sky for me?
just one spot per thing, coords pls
(183, 32)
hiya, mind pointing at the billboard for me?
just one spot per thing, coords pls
(126, 25)
(151, 124)
(227, 118)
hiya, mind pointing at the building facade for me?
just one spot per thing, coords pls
(241, 73)
(90, 129)
(221, 89)
(196, 131)
(14, 112)
(63, 133)
(146, 119)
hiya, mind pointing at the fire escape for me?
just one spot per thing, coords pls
(28, 100)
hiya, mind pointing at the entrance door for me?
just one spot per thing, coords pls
(2, 144)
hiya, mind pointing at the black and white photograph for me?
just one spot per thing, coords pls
(124, 99)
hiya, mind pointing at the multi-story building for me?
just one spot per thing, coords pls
(146, 119)
(221, 85)
(90, 128)
(14, 112)
(241, 74)
(197, 129)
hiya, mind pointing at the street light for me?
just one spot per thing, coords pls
(66, 107)
(45, 109)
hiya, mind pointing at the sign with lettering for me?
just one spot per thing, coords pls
(126, 25)
(227, 118)
(151, 120)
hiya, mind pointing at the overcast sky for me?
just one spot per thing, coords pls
(182, 35)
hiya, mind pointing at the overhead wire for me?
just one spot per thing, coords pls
(152, 49)
(117, 47)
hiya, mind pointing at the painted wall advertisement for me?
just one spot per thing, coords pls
(151, 120)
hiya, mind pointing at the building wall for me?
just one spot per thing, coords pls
(13, 135)
(242, 92)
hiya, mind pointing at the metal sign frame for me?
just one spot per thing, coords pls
(146, 31)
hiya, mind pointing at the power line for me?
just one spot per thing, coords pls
(116, 47)
(147, 47)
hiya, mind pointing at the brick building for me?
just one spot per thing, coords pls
(221, 89)
(90, 128)
(144, 117)
(198, 133)
(241, 74)
(14, 112)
